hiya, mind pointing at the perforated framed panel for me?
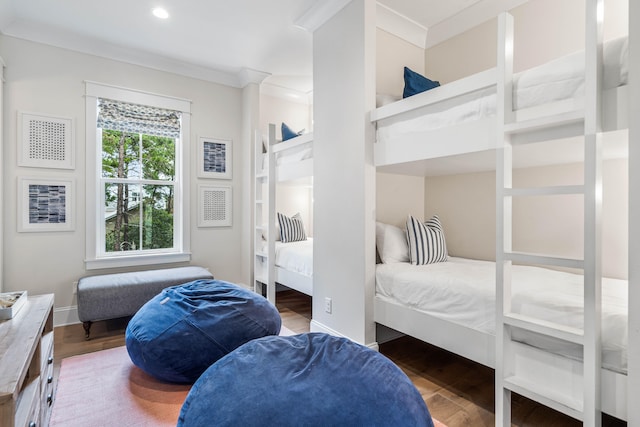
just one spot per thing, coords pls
(45, 141)
(214, 206)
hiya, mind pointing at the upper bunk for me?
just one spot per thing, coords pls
(546, 103)
(293, 158)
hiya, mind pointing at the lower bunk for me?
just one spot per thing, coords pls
(293, 264)
(452, 305)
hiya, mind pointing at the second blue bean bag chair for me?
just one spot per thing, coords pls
(309, 379)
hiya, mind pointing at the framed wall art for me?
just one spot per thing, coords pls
(45, 204)
(45, 141)
(214, 206)
(214, 158)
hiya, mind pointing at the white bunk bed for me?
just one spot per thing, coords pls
(471, 117)
(463, 113)
(289, 264)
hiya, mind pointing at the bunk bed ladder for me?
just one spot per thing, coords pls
(576, 394)
(264, 207)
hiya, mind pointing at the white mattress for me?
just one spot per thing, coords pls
(296, 256)
(463, 291)
(556, 80)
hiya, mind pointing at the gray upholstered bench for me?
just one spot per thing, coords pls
(110, 296)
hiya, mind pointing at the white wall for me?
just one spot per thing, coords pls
(465, 205)
(551, 225)
(48, 80)
(277, 110)
(295, 198)
(398, 196)
(344, 176)
(392, 55)
(544, 30)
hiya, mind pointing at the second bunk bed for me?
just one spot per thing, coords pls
(283, 246)
(541, 329)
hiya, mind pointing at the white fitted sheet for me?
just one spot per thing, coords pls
(296, 256)
(463, 291)
(560, 79)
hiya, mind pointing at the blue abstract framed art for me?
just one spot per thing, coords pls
(45, 204)
(214, 158)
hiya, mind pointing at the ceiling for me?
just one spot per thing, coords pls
(229, 42)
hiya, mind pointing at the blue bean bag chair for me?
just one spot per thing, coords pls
(180, 332)
(304, 380)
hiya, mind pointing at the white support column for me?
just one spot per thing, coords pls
(271, 217)
(344, 183)
(250, 122)
(592, 211)
(633, 376)
(1, 173)
(504, 168)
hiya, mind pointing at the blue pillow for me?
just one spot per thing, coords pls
(287, 133)
(415, 83)
(310, 379)
(180, 332)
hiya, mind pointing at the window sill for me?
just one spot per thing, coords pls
(136, 260)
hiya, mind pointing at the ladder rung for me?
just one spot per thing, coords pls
(544, 191)
(565, 333)
(262, 254)
(259, 202)
(546, 396)
(528, 258)
(545, 122)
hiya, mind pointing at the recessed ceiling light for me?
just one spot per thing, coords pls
(161, 13)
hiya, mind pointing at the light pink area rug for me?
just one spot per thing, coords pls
(105, 389)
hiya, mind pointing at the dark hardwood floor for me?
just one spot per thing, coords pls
(458, 392)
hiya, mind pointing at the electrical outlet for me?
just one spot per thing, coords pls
(327, 305)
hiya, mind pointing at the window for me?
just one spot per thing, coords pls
(136, 203)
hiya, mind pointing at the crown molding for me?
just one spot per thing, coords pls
(468, 18)
(320, 13)
(288, 94)
(247, 76)
(400, 26)
(70, 41)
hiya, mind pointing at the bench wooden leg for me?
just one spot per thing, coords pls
(87, 329)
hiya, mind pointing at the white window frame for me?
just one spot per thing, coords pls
(96, 256)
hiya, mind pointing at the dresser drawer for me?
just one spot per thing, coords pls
(47, 385)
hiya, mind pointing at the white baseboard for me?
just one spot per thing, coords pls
(316, 326)
(65, 316)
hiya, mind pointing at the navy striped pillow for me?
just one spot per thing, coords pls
(291, 229)
(426, 241)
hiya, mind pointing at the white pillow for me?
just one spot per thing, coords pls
(277, 233)
(392, 243)
(383, 99)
